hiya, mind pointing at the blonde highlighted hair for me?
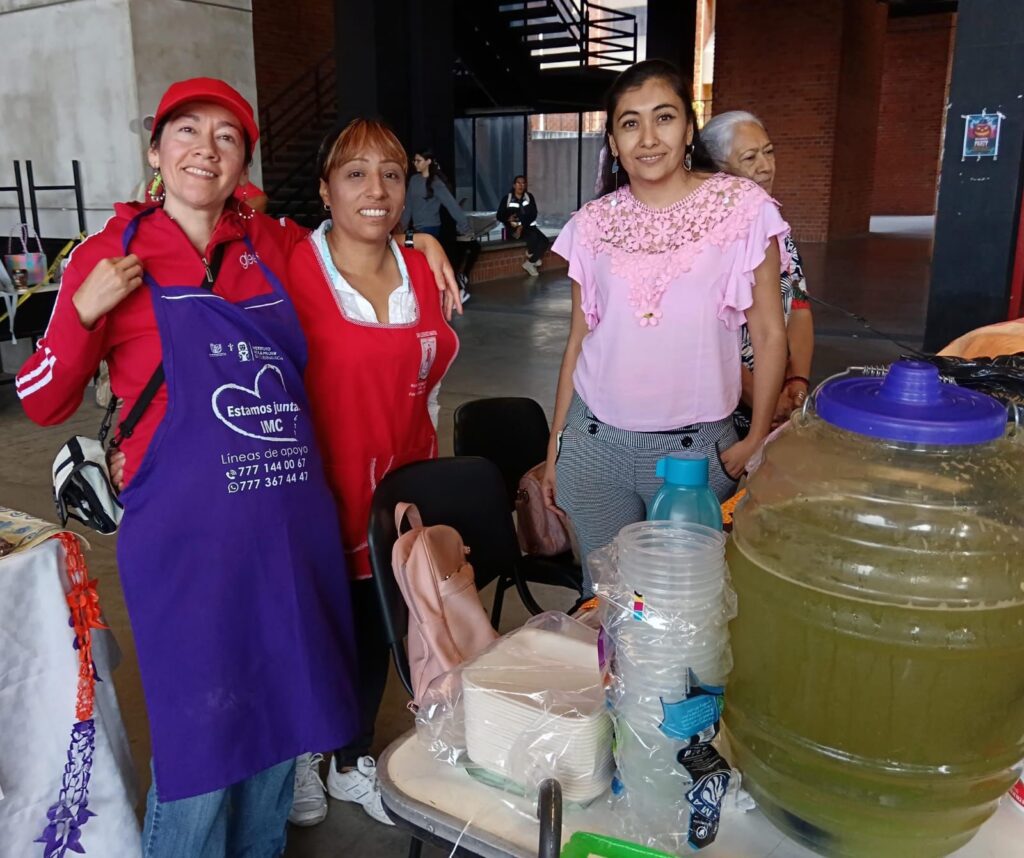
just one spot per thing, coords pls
(360, 135)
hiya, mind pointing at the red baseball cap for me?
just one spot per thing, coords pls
(208, 89)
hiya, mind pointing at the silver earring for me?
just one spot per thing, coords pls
(616, 171)
(688, 160)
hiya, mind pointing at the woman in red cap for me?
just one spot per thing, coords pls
(229, 551)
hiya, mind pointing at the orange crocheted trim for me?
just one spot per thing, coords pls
(84, 602)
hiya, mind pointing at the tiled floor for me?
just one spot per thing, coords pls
(512, 337)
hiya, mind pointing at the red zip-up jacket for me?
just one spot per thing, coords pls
(52, 382)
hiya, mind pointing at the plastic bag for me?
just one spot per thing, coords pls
(999, 377)
(530, 707)
(666, 601)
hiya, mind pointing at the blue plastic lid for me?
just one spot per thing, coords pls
(683, 469)
(911, 404)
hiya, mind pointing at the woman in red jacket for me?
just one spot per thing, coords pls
(379, 346)
(240, 614)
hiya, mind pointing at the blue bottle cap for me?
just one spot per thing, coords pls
(911, 404)
(683, 469)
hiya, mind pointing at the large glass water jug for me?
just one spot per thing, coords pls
(876, 706)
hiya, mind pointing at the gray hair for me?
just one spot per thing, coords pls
(717, 134)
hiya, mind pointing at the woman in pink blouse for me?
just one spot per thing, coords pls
(666, 267)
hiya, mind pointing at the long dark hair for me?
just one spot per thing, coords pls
(433, 171)
(633, 78)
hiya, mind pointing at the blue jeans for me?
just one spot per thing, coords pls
(246, 820)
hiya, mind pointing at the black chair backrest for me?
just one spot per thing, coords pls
(466, 493)
(511, 431)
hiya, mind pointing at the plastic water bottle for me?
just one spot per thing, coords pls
(686, 495)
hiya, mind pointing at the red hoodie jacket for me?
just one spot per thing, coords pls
(52, 382)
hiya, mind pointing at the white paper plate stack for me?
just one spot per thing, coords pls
(534, 708)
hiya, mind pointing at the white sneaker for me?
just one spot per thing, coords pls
(359, 786)
(530, 268)
(309, 806)
(464, 296)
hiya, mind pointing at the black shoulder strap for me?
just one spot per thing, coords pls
(127, 426)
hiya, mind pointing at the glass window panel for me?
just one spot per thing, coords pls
(499, 157)
(552, 159)
(464, 161)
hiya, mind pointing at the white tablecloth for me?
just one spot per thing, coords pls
(38, 688)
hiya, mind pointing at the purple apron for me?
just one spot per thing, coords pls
(229, 550)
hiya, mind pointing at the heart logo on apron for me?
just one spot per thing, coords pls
(265, 411)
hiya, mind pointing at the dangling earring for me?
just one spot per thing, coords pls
(246, 211)
(688, 158)
(157, 192)
(615, 170)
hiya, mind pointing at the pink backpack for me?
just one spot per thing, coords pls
(447, 622)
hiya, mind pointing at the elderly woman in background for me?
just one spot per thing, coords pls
(739, 144)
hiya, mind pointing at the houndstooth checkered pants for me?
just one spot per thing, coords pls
(606, 475)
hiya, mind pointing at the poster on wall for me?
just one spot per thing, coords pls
(981, 135)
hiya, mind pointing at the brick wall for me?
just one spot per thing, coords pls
(507, 261)
(288, 38)
(780, 59)
(912, 114)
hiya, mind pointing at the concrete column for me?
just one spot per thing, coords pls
(394, 60)
(81, 75)
(672, 32)
(979, 200)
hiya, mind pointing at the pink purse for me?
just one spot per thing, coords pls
(447, 622)
(33, 263)
(541, 532)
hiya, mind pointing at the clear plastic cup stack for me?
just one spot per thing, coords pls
(666, 602)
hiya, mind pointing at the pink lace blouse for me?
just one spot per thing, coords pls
(664, 293)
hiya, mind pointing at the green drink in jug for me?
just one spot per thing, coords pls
(876, 706)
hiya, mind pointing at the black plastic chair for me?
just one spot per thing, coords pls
(512, 432)
(465, 493)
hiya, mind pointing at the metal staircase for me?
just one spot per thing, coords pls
(568, 33)
(549, 56)
(531, 56)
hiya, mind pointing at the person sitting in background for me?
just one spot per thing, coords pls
(518, 212)
(428, 191)
(739, 144)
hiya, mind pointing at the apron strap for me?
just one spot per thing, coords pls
(133, 227)
(275, 282)
(127, 426)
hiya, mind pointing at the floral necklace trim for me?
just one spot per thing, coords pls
(649, 248)
(69, 814)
